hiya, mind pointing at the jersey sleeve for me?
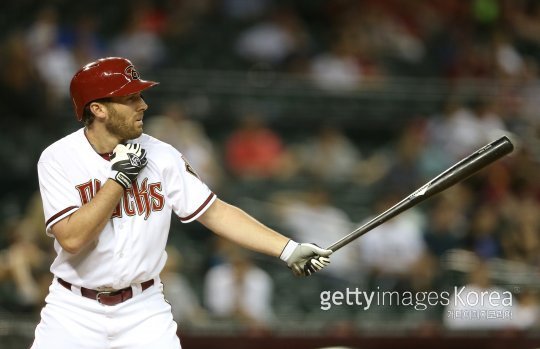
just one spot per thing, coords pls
(189, 195)
(59, 197)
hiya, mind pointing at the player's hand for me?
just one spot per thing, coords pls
(127, 161)
(305, 259)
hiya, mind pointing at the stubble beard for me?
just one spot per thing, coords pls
(119, 126)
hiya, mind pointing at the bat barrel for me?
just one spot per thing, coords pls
(458, 172)
(465, 168)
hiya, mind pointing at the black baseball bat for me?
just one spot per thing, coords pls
(456, 173)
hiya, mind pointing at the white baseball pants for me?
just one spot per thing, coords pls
(71, 321)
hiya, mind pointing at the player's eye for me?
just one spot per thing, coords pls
(136, 97)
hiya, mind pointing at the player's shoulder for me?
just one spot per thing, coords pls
(147, 141)
(152, 144)
(157, 149)
(62, 145)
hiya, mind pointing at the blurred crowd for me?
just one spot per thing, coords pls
(315, 186)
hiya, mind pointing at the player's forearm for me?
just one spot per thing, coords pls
(236, 225)
(83, 226)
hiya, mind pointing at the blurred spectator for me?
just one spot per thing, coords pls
(274, 40)
(490, 125)
(480, 305)
(245, 9)
(254, 151)
(22, 89)
(140, 39)
(391, 252)
(239, 290)
(523, 17)
(83, 38)
(338, 69)
(446, 224)
(440, 130)
(444, 232)
(522, 168)
(42, 33)
(461, 130)
(384, 31)
(310, 216)
(329, 156)
(24, 262)
(174, 126)
(408, 166)
(57, 65)
(509, 61)
(484, 231)
(529, 89)
(185, 304)
(54, 61)
(526, 311)
(24, 273)
(520, 240)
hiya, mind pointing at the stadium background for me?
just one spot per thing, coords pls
(353, 104)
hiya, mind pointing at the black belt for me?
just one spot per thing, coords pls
(108, 297)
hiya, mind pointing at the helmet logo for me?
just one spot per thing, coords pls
(130, 71)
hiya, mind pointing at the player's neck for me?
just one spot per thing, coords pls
(102, 142)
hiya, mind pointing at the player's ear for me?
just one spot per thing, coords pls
(98, 108)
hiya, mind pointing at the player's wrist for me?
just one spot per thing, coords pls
(288, 250)
(120, 178)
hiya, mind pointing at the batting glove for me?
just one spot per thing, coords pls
(305, 259)
(127, 161)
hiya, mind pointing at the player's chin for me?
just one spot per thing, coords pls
(138, 132)
(134, 132)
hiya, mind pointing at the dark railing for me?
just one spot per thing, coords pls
(380, 104)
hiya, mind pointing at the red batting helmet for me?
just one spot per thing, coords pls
(106, 77)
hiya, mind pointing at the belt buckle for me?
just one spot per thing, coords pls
(103, 293)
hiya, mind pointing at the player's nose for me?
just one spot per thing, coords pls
(142, 105)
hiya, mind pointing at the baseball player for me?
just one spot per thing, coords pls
(108, 192)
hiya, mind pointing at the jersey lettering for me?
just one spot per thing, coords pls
(158, 200)
(86, 191)
(129, 206)
(140, 199)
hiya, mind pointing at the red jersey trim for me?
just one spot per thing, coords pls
(106, 156)
(67, 209)
(194, 214)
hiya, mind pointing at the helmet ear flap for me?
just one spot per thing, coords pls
(104, 78)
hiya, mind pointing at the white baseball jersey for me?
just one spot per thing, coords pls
(131, 247)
